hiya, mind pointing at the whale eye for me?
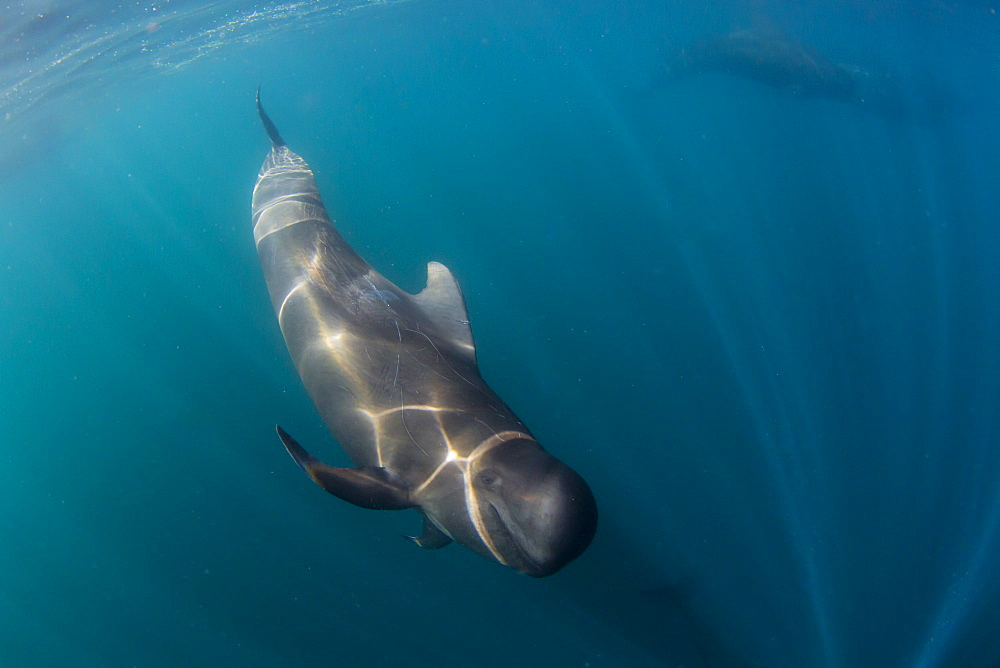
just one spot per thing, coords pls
(487, 477)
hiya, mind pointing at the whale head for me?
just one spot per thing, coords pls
(535, 513)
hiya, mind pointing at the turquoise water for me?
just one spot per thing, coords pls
(762, 325)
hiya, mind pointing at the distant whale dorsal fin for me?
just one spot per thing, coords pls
(444, 304)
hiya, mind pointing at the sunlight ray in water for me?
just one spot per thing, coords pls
(973, 572)
(790, 453)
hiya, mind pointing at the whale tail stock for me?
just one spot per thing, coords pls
(269, 127)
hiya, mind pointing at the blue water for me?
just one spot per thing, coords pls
(762, 325)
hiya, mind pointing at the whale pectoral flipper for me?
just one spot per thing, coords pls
(432, 538)
(369, 487)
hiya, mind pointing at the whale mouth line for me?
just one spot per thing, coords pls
(522, 555)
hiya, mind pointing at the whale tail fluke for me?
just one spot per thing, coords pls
(269, 127)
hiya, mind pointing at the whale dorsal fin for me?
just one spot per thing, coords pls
(443, 303)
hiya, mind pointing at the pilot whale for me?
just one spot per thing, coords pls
(768, 57)
(395, 379)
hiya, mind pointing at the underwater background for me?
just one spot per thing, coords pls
(763, 323)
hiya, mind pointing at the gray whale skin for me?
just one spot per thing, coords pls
(394, 377)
